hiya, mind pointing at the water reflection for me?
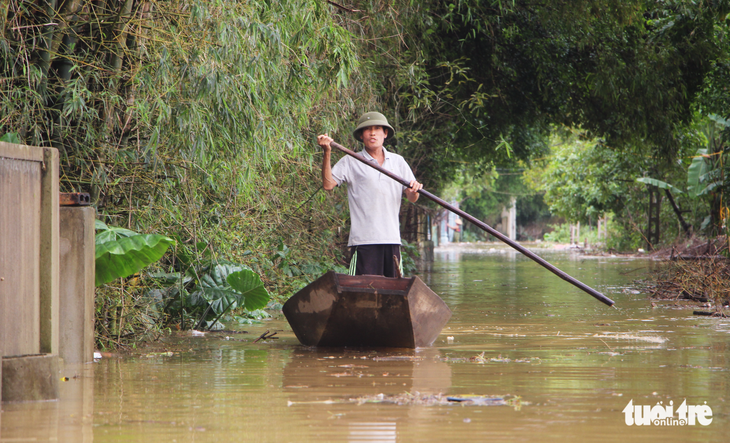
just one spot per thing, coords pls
(69, 419)
(325, 384)
(376, 432)
(323, 374)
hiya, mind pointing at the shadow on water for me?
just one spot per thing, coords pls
(572, 364)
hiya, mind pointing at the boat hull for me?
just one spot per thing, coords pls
(339, 310)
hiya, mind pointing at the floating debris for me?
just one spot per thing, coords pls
(479, 401)
(399, 358)
(703, 276)
(711, 314)
(646, 338)
(266, 336)
(481, 359)
(159, 354)
(416, 399)
(325, 402)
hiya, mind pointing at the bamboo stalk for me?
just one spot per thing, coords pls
(542, 262)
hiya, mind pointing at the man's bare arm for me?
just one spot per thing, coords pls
(328, 183)
(412, 191)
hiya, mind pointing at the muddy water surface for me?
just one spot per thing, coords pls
(556, 364)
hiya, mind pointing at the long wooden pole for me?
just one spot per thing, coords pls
(485, 227)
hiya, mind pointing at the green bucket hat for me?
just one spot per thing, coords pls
(372, 119)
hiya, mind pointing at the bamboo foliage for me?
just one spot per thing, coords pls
(145, 93)
(190, 118)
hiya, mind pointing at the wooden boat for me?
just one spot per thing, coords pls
(340, 310)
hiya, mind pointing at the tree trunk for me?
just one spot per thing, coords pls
(655, 206)
(685, 226)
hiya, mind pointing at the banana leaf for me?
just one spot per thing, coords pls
(658, 183)
(719, 120)
(696, 173)
(710, 187)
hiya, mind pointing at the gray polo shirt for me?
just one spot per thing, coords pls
(374, 198)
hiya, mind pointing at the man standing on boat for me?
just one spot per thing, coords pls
(373, 197)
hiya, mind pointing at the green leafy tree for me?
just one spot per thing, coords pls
(583, 182)
(485, 81)
(627, 71)
(705, 179)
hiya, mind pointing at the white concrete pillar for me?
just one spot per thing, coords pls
(512, 225)
(505, 221)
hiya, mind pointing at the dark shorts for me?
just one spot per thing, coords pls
(375, 259)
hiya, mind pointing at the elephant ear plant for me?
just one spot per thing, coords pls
(121, 252)
(223, 286)
(207, 290)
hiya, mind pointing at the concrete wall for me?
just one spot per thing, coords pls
(28, 249)
(77, 284)
(20, 200)
(30, 378)
(29, 272)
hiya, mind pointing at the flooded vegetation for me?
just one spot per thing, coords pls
(706, 280)
(189, 127)
(525, 357)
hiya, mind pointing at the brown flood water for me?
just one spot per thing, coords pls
(566, 365)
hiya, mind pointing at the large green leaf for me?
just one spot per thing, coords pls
(127, 255)
(110, 233)
(11, 137)
(697, 170)
(710, 187)
(719, 120)
(659, 184)
(249, 284)
(216, 290)
(228, 286)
